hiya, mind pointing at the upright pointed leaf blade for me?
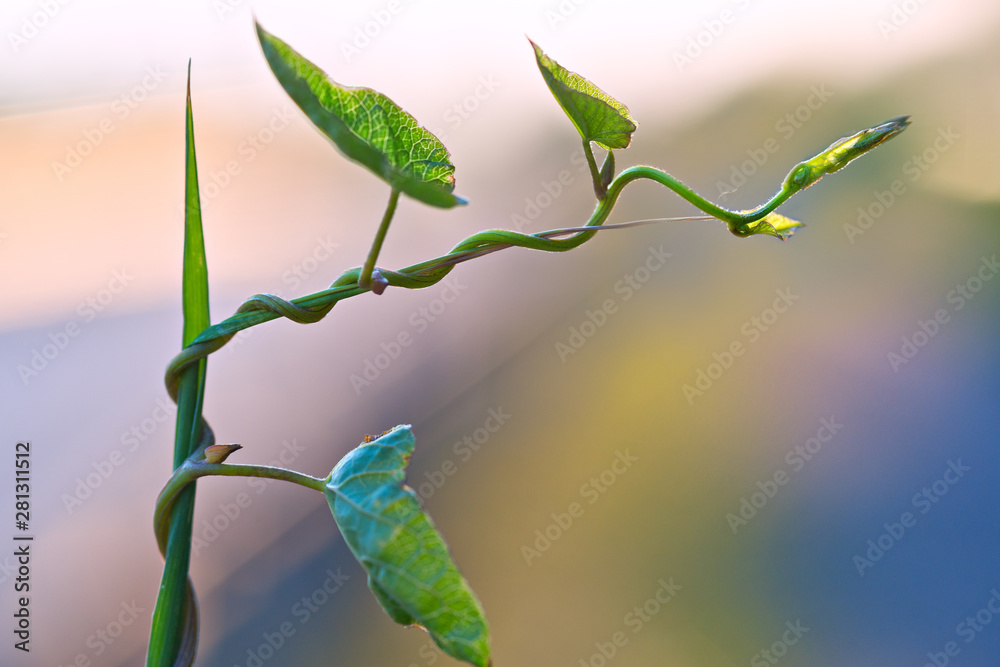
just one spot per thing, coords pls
(366, 126)
(409, 568)
(598, 116)
(195, 279)
(174, 628)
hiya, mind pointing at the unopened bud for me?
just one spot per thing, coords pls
(219, 453)
(842, 152)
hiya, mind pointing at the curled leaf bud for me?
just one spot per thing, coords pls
(841, 152)
(219, 453)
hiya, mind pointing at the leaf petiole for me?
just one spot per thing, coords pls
(599, 189)
(365, 278)
(191, 470)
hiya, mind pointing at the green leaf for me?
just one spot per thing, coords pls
(598, 116)
(773, 224)
(409, 568)
(367, 127)
(195, 280)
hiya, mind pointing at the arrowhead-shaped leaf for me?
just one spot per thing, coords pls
(367, 127)
(773, 224)
(409, 568)
(598, 116)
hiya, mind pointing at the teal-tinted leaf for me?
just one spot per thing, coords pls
(409, 568)
(598, 116)
(367, 127)
(773, 224)
(390, 606)
(194, 287)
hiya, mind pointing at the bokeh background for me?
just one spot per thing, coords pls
(824, 568)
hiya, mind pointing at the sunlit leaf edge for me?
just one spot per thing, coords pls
(575, 92)
(309, 86)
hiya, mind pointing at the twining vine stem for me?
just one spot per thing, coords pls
(191, 470)
(314, 307)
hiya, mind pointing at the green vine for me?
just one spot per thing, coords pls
(314, 307)
(459, 629)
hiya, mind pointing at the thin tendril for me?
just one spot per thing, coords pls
(314, 307)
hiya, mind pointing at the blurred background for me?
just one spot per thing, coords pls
(826, 496)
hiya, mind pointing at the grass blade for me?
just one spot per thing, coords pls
(173, 625)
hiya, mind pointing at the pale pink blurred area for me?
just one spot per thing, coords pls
(90, 135)
(91, 231)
